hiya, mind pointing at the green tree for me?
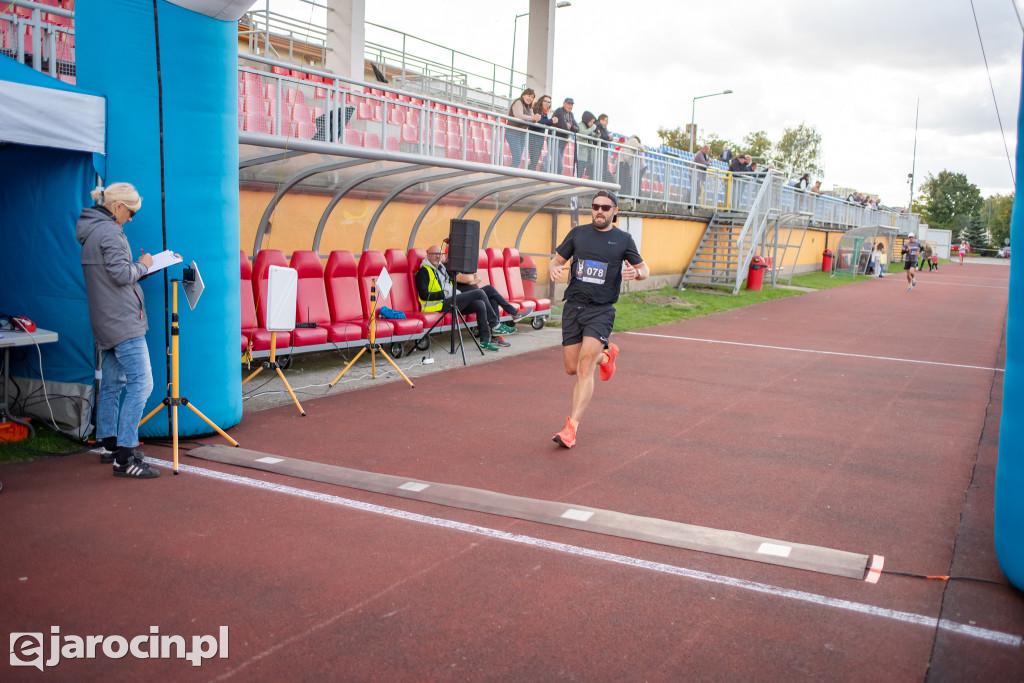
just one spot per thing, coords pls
(756, 144)
(717, 145)
(801, 148)
(676, 138)
(949, 201)
(974, 232)
(997, 212)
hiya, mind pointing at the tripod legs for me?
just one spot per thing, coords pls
(272, 363)
(175, 399)
(373, 348)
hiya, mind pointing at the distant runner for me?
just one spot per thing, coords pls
(603, 256)
(910, 251)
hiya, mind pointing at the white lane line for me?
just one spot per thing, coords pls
(999, 637)
(825, 353)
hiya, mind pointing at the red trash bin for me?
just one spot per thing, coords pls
(826, 260)
(755, 276)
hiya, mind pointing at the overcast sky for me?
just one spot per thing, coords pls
(852, 69)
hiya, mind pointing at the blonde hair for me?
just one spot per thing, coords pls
(118, 193)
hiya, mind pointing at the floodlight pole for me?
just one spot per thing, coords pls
(693, 114)
(913, 163)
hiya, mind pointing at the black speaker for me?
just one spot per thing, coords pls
(463, 246)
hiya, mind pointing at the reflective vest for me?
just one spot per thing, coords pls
(434, 286)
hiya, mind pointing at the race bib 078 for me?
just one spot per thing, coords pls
(593, 272)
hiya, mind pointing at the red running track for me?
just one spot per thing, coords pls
(886, 445)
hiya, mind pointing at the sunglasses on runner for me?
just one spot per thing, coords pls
(602, 207)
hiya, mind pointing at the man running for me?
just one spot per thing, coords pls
(910, 251)
(603, 256)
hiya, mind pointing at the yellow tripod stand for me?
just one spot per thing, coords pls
(272, 363)
(175, 399)
(373, 347)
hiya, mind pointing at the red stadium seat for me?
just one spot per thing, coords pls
(258, 123)
(496, 271)
(353, 137)
(341, 284)
(310, 300)
(514, 275)
(260, 273)
(403, 296)
(371, 263)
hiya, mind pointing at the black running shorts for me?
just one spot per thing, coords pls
(907, 265)
(590, 320)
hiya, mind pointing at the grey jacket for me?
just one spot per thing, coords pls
(584, 150)
(117, 308)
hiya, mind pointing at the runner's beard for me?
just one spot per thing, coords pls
(602, 220)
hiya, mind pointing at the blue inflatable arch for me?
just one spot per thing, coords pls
(1009, 512)
(170, 79)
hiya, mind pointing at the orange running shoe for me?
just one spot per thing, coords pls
(566, 437)
(608, 369)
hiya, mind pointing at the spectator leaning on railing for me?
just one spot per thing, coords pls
(701, 157)
(630, 157)
(601, 157)
(542, 108)
(519, 115)
(564, 120)
(585, 152)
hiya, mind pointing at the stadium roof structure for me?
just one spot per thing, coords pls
(291, 165)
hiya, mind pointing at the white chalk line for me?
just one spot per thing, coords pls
(802, 596)
(825, 353)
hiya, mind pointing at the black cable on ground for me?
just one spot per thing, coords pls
(945, 578)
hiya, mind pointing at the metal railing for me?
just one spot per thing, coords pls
(436, 71)
(39, 35)
(266, 25)
(313, 104)
(764, 207)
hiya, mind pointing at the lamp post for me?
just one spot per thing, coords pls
(693, 112)
(515, 27)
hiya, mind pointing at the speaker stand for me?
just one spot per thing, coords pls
(458, 324)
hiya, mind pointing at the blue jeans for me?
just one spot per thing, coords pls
(123, 368)
(516, 140)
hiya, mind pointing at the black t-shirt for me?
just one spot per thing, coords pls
(595, 274)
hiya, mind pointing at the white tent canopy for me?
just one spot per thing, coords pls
(41, 111)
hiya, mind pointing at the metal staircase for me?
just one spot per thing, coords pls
(731, 239)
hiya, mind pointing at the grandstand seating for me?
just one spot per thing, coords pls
(371, 263)
(341, 283)
(260, 276)
(337, 297)
(496, 270)
(514, 280)
(310, 299)
(257, 288)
